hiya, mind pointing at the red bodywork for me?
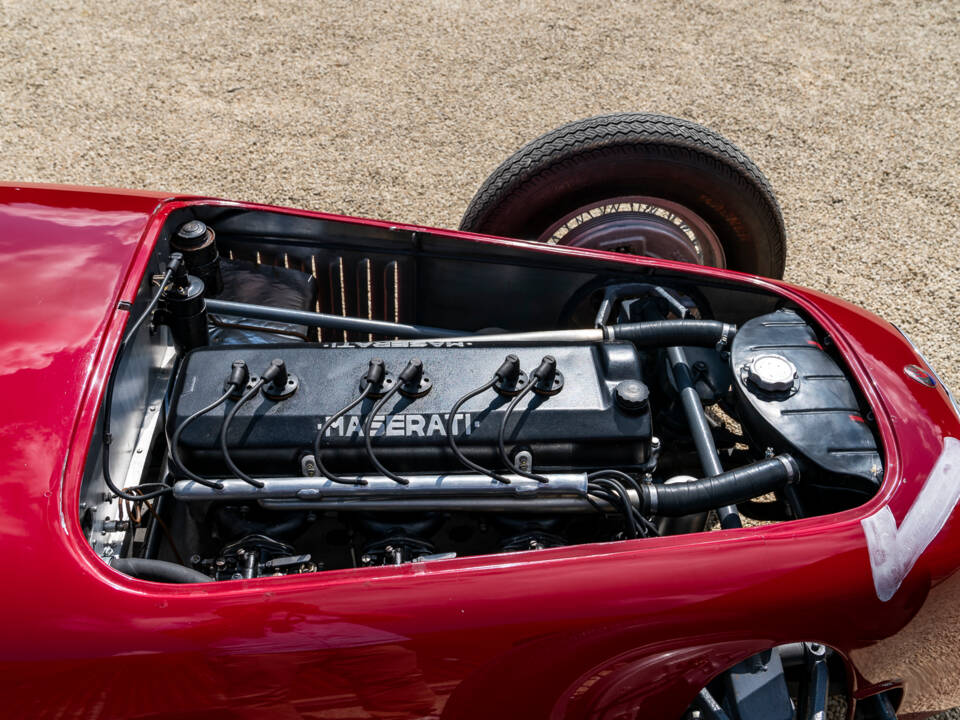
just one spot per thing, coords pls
(614, 630)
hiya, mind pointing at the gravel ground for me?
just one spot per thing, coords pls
(400, 111)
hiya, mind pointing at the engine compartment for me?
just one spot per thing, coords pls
(309, 395)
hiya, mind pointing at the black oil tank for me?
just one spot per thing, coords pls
(796, 398)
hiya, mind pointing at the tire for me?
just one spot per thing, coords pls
(630, 177)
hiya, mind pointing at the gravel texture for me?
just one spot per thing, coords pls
(400, 111)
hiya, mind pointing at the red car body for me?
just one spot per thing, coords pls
(617, 630)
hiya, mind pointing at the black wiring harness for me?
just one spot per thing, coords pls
(611, 485)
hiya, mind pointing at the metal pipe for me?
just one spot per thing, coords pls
(378, 487)
(335, 322)
(538, 505)
(382, 327)
(702, 333)
(708, 706)
(700, 430)
(580, 335)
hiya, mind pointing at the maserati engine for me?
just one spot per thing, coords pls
(296, 441)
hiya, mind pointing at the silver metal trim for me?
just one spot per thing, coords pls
(582, 335)
(379, 487)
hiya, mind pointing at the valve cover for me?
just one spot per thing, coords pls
(581, 426)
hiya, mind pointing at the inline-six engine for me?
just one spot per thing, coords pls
(591, 412)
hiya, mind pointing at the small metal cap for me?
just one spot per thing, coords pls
(772, 373)
(192, 231)
(632, 396)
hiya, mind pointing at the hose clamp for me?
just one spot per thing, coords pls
(725, 333)
(651, 498)
(793, 472)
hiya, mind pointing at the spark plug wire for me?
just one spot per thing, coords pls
(373, 378)
(545, 371)
(239, 376)
(508, 370)
(276, 369)
(411, 373)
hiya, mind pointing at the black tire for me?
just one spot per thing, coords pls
(636, 154)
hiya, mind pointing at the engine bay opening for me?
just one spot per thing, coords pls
(297, 394)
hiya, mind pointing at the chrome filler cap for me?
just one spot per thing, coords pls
(772, 373)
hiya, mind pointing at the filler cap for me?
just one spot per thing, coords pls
(192, 233)
(632, 396)
(772, 373)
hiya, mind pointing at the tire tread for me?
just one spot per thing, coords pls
(561, 147)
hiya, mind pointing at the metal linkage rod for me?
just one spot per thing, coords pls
(700, 430)
(649, 334)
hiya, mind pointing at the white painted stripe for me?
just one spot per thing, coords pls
(894, 551)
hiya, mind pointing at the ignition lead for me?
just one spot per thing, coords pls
(508, 372)
(239, 377)
(371, 383)
(409, 376)
(276, 369)
(173, 265)
(544, 373)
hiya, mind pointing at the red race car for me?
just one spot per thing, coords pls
(261, 462)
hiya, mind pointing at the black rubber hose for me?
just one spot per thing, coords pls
(733, 486)
(158, 570)
(664, 333)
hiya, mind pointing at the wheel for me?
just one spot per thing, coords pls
(637, 183)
